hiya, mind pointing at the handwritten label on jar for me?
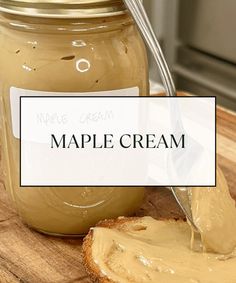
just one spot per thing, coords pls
(16, 93)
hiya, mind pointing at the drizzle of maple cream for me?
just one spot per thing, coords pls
(214, 213)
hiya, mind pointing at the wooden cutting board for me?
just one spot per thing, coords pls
(29, 257)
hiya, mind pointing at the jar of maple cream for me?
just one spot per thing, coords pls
(64, 47)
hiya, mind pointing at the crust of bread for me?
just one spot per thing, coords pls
(90, 266)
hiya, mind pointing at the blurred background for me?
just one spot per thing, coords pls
(198, 38)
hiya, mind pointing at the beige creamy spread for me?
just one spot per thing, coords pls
(148, 250)
(158, 252)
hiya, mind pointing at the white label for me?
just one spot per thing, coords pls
(118, 141)
(16, 93)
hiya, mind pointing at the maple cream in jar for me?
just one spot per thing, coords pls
(64, 47)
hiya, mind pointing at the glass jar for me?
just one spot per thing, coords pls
(71, 46)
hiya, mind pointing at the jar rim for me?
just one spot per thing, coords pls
(63, 8)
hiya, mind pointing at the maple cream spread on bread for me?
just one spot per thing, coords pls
(148, 250)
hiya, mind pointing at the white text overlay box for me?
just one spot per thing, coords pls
(118, 141)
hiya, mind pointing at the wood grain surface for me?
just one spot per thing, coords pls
(30, 257)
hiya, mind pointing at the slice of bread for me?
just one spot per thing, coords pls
(121, 223)
(90, 266)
